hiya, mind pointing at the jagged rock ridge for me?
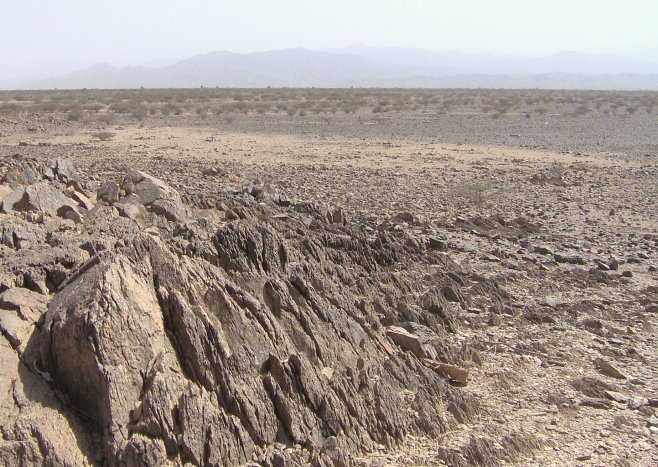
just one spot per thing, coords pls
(174, 339)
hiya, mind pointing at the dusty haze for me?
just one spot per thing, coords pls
(42, 40)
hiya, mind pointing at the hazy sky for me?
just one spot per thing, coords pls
(56, 36)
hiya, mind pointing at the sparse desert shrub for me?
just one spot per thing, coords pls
(582, 109)
(121, 107)
(93, 107)
(140, 112)
(139, 103)
(46, 106)
(103, 135)
(75, 115)
(106, 118)
(9, 108)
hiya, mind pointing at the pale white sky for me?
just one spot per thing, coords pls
(56, 36)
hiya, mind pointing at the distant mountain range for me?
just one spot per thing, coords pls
(363, 66)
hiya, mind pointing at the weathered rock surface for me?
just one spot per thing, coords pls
(418, 343)
(131, 207)
(4, 191)
(156, 195)
(20, 175)
(176, 334)
(210, 342)
(36, 190)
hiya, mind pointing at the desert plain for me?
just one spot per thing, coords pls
(358, 277)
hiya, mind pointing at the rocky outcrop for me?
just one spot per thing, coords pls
(156, 334)
(175, 340)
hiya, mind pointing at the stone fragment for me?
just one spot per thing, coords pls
(21, 175)
(17, 236)
(16, 330)
(436, 244)
(596, 403)
(450, 294)
(70, 213)
(131, 207)
(337, 216)
(79, 198)
(108, 193)
(10, 199)
(417, 342)
(543, 250)
(616, 396)
(209, 435)
(4, 191)
(210, 171)
(171, 209)
(332, 450)
(569, 258)
(35, 429)
(555, 302)
(66, 173)
(282, 200)
(453, 372)
(608, 369)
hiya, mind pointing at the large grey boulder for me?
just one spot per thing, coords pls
(5, 190)
(20, 175)
(42, 197)
(131, 206)
(155, 194)
(10, 198)
(66, 173)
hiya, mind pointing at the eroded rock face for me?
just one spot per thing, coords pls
(37, 429)
(176, 335)
(210, 342)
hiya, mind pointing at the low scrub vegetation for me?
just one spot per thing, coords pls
(103, 135)
(203, 103)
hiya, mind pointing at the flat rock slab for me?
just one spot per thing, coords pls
(29, 305)
(413, 342)
(596, 403)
